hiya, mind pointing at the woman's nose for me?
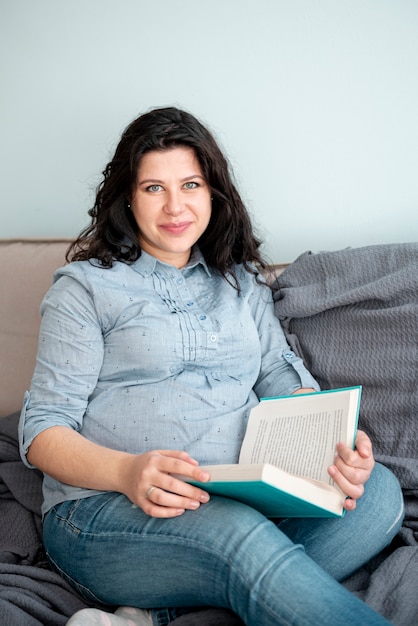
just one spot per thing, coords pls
(174, 203)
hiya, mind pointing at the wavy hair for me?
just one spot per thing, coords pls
(113, 232)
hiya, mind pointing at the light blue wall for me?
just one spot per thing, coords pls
(315, 102)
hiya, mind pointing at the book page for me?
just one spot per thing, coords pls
(298, 434)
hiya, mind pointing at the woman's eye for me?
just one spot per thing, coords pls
(191, 185)
(154, 188)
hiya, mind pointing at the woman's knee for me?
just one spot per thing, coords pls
(383, 495)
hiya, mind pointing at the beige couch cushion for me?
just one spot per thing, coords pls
(26, 268)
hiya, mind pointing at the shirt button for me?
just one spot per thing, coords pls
(179, 281)
(289, 355)
(202, 317)
(213, 338)
(190, 303)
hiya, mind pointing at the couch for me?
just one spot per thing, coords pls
(352, 315)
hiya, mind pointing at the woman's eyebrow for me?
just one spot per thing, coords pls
(150, 180)
(161, 182)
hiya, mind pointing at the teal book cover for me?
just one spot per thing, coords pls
(259, 487)
(289, 444)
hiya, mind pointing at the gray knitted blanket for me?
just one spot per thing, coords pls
(30, 593)
(352, 315)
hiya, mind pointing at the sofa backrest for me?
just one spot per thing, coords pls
(26, 269)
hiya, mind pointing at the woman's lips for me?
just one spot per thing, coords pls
(175, 228)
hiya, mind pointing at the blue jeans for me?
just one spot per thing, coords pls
(225, 554)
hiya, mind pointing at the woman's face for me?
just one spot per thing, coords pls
(171, 204)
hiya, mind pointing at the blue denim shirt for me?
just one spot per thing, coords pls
(146, 356)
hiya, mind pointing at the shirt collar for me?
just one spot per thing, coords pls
(147, 264)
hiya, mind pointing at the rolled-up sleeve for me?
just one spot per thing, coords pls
(281, 372)
(69, 358)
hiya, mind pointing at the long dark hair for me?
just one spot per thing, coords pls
(113, 233)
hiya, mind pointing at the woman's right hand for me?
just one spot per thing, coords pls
(146, 479)
(149, 481)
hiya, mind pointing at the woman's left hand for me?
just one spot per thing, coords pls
(352, 468)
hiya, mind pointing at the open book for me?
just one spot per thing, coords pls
(288, 446)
